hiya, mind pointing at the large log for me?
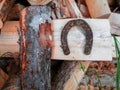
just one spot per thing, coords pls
(35, 57)
(98, 8)
(5, 6)
(101, 41)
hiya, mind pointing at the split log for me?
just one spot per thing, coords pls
(13, 83)
(5, 6)
(98, 8)
(3, 78)
(73, 8)
(35, 55)
(9, 37)
(115, 23)
(69, 75)
(84, 10)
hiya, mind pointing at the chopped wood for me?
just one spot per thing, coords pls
(73, 9)
(101, 32)
(63, 9)
(115, 23)
(15, 12)
(5, 6)
(9, 37)
(84, 10)
(69, 76)
(98, 8)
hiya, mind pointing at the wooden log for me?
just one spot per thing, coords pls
(73, 9)
(70, 76)
(114, 22)
(84, 10)
(5, 6)
(13, 83)
(35, 56)
(98, 8)
(3, 78)
(9, 37)
(102, 40)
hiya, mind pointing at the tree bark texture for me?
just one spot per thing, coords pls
(35, 57)
(65, 74)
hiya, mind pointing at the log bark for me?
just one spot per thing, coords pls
(69, 75)
(35, 59)
(98, 8)
(5, 6)
(73, 9)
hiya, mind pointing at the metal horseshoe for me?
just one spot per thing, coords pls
(88, 35)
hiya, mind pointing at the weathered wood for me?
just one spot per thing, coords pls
(63, 9)
(35, 59)
(98, 8)
(84, 10)
(9, 37)
(115, 23)
(73, 9)
(13, 83)
(5, 6)
(69, 75)
(102, 40)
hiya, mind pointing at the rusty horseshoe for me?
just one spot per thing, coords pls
(88, 35)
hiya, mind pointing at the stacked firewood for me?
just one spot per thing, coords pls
(63, 73)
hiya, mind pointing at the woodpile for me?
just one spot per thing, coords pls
(31, 32)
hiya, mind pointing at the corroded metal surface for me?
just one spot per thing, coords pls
(87, 31)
